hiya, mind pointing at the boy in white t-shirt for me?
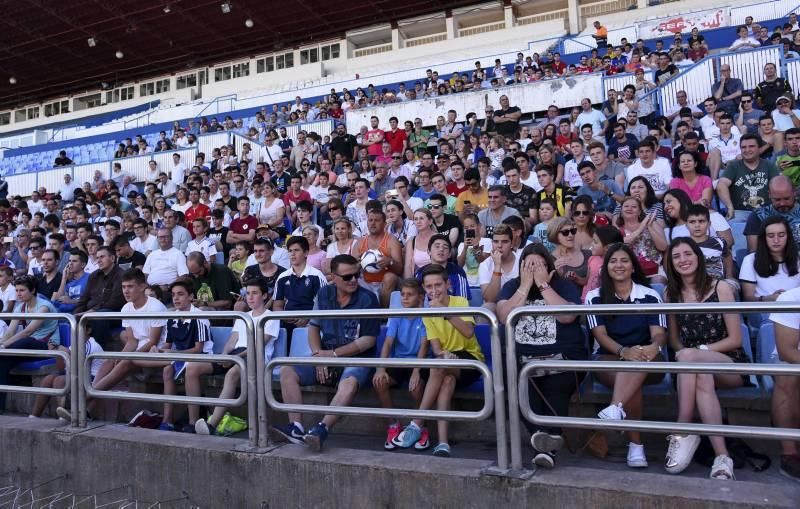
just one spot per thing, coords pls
(201, 242)
(8, 293)
(140, 335)
(256, 297)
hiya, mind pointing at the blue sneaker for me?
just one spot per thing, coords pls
(315, 437)
(290, 432)
(165, 426)
(442, 451)
(408, 437)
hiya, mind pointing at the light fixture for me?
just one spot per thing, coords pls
(119, 54)
(226, 7)
(249, 23)
(92, 42)
(12, 80)
(167, 9)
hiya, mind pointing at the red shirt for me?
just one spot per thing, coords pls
(196, 212)
(336, 113)
(559, 67)
(289, 198)
(396, 139)
(244, 225)
(374, 134)
(454, 190)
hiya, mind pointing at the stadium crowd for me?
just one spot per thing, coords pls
(618, 203)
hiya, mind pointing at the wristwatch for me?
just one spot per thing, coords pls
(703, 347)
(544, 286)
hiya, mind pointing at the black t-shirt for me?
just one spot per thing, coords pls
(450, 222)
(137, 259)
(507, 128)
(47, 289)
(522, 201)
(344, 145)
(254, 272)
(664, 75)
(220, 235)
(540, 335)
(230, 203)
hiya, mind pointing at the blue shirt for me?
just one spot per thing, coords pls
(339, 332)
(48, 330)
(602, 201)
(298, 292)
(459, 284)
(423, 195)
(627, 330)
(407, 333)
(73, 289)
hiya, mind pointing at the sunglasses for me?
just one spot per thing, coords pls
(568, 232)
(396, 157)
(747, 100)
(431, 206)
(581, 213)
(334, 208)
(349, 277)
(346, 165)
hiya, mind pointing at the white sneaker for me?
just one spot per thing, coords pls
(680, 453)
(612, 413)
(722, 469)
(201, 428)
(636, 457)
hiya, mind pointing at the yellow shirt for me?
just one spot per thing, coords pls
(448, 336)
(480, 200)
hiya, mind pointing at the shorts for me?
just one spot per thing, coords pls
(468, 376)
(652, 378)
(402, 375)
(220, 368)
(308, 375)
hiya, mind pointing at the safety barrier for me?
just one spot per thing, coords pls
(67, 357)
(618, 81)
(493, 397)
(748, 66)
(248, 380)
(517, 384)
(793, 72)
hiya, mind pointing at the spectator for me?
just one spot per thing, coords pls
(545, 336)
(748, 116)
(768, 91)
(745, 40)
(440, 253)
(742, 187)
(475, 198)
(706, 338)
(688, 176)
(600, 35)
(603, 191)
(632, 337)
(180, 235)
(23, 334)
(723, 147)
(655, 169)
(127, 257)
(644, 234)
(506, 119)
(390, 264)
(62, 159)
(332, 338)
(782, 203)
(593, 117)
(727, 90)
(498, 268)
(787, 388)
(416, 252)
(450, 338)
(166, 264)
(666, 69)
(214, 283)
(774, 267)
(784, 115)
(623, 145)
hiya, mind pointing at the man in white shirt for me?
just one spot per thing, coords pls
(591, 116)
(142, 240)
(166, 186)
(140, 335)
(180, 235)
(784, 116)
(724, 147)
(67, 190)
(36, 204)
(744, 41)
(499, 268)
(166, 264)
(178, 173)
(656, 170)
(270, 152)
(181, 140)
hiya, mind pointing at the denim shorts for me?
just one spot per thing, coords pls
(308, 375)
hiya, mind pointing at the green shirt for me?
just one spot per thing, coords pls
(749, 188)
(414, 138)
(218, 284)
(793, 171)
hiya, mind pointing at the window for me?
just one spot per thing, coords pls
(189, 80)
(309, 56)
(147, 89)
(265, 64)
(285, 61)
(33, 112)
(241, 70)
(5, 118)
(162, 86)
(222, 73)
(330, 52)
(56, 108)
(119, 94)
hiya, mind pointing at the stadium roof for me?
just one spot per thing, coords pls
(44, 44)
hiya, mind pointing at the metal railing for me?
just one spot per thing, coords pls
(493, 397)
(248, 378)
(67, 357)
(515, 380)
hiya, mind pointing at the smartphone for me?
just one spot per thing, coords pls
(392, 194)
(234, 295)
(8, 240)
(469, 234)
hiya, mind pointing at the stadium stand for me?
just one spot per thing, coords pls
(662, 170)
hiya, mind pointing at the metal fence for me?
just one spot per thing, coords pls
(39, 354)
(517, 385)
(494, 396)
(248, 379)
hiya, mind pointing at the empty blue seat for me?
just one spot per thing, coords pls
(394, 300)
(280, 351)
(484, 335)
(220, 336)
(34, 364)
(299, 346)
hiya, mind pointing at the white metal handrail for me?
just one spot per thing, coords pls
(14, 352)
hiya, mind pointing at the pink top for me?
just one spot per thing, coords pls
(593, 277)
(695, 193)
(316, 259)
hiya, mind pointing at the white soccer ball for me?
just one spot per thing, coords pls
(370, 259)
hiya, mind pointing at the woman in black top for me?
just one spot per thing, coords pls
(545, 337)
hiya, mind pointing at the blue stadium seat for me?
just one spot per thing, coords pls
(658, 287)
(476, 299)
(32, 365)
(394, 300)
(766, 352)
(299, 345)
(220, 258)
(484, 335)
(220, 336)
(280, 351)
(753, 388)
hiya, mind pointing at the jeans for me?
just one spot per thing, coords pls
(9, 363)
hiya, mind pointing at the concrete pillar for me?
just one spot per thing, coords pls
(574, 16)
(397, 39)
(450, 26)
(641, 4)
(508, 13)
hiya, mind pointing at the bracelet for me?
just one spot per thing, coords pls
(334, 352)
(497, 273)
(619, 351)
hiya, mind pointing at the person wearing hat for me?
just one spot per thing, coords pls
(768, 91)
(784, 115)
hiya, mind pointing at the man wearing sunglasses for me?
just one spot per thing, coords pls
(334, 338)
